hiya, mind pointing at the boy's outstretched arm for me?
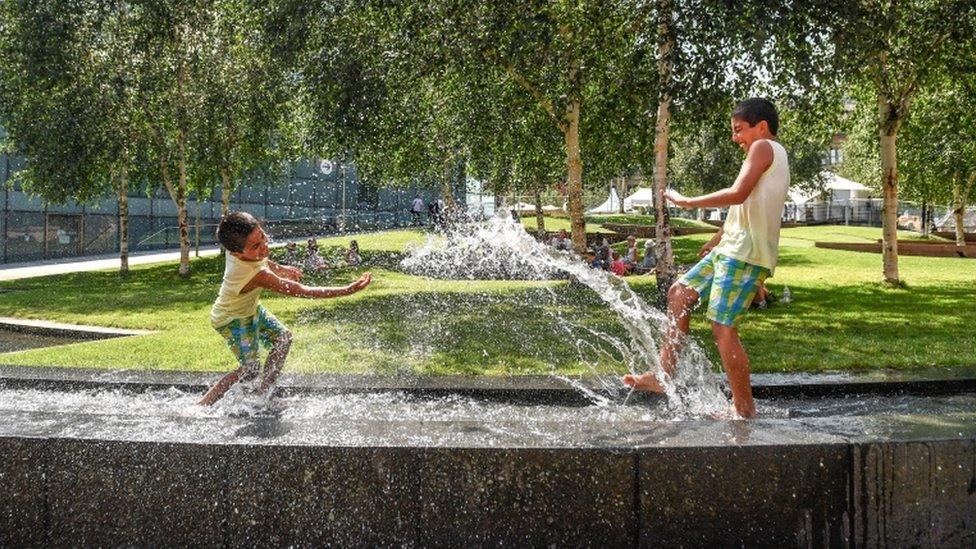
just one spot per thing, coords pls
(759, 159)
(270, 281)
(285, 271)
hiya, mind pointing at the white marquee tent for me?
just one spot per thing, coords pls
(841, 191)
(640, 197)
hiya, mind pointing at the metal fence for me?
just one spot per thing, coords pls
(863, 211)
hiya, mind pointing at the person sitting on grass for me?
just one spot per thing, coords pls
(313, 259)
(763, 298)
(352, 254)
(650, 259)
(561, 241)
(237, 314)
(737, 260)
(291, 254)
(632, 257)
(591, 259)
(603, 255)
(618, 266)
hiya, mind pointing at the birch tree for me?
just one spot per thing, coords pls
(896, 50)
(68, 87)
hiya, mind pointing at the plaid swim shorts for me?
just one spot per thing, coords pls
(243, 335)
(730, 285)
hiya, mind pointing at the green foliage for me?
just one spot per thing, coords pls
(51, 100)
(937, 143)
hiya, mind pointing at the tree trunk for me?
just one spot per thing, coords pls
(959, 196)
(621, 184)
(225, 189)
(196, 231)
(665, 271)
(574, 177)
(178, 194)
(123, 190)
(889, 123)
(447, 187)
(180, 200)
(540, 220)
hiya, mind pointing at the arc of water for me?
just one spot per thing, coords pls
(500, 247)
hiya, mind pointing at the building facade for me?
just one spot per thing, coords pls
(316, 198)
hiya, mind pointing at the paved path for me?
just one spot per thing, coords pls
(14, 271)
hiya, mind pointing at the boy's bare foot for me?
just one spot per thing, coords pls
(644, 382)
(731, 413)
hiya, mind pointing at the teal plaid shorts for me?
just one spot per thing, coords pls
(243, 335)
(729, 283)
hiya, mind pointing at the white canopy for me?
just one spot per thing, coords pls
(838, 183)
(948, 221)
(612, 205)
(833, 182)
(640, 197)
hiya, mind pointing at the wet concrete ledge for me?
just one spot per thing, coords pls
(515, 389)
(96, 481)
(63, 492)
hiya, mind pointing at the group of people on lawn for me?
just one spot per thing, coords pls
(734, 264)
(606, 258)
(314, 261)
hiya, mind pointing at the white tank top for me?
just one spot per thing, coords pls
(231, 304)
(751, 230)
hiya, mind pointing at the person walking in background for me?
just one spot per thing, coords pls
(416, 208)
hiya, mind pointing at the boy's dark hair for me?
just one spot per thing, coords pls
(755, 110)
(234, 229)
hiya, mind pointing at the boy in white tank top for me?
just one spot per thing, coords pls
(738, 259)
(238, 316)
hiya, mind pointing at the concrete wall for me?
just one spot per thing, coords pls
(56, 492)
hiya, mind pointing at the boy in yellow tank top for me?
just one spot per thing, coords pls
(237, 314)
(738, 259)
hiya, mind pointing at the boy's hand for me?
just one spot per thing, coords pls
(676, 198)
(361, 283)
(705, 249)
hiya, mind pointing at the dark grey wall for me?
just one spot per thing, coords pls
(61, 492)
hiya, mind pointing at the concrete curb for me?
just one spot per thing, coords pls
(513, 389)
(79, 331)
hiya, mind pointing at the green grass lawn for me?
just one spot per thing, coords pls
(841, 317)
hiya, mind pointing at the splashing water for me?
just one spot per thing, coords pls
(500, 248)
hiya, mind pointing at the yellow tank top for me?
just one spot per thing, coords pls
(751, 230)
(232, 304)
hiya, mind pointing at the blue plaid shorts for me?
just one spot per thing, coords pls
(730, 285)
(245, 335)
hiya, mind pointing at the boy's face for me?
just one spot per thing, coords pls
(255, 246)
(745, 134)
